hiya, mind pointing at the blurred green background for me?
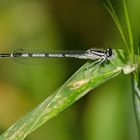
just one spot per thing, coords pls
(106, 113)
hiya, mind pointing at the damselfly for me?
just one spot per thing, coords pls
(90, 54)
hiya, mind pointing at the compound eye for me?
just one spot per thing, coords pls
(109, 52)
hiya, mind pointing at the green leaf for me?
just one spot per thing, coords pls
(132, 49)
(88, 77)
(108, 5)
(131, 43)
(136, 100)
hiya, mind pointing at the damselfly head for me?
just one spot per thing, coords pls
(109, 52)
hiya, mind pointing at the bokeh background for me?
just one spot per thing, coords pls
(106, 113)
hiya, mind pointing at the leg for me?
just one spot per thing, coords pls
(94, 66)
(87, 72)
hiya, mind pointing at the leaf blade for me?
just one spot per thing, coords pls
(77, 86)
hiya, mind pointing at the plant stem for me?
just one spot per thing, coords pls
(136, 101)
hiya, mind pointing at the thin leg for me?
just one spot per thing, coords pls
(99, 63)
(96, 63)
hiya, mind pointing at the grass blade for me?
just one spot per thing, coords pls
(136, 101)
(129, 43)
(136, 91)
(129, 31)
(114, 16)
(77, 86)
